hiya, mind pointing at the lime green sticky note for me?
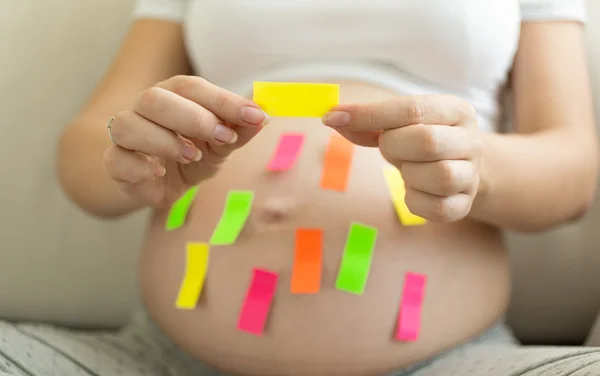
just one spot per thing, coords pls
(236, 212)
(356, 262)
(179, 209)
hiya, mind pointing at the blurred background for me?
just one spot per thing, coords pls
(58, 265)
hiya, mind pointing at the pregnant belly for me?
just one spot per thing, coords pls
(332, 332)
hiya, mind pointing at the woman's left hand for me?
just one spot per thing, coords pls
(433, 140)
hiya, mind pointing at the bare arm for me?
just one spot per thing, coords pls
(545, 174)
(152, 51)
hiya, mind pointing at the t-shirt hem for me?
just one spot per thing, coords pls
(558, 12)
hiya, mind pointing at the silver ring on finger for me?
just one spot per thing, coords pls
(109, 127)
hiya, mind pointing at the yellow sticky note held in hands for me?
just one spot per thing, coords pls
(195, 274)
(296, 99)
(395, 185)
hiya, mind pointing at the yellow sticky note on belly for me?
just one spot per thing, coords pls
(395, 185)
(296, 99)
(195, 273)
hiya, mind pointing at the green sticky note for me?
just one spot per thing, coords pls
(356, 262)
(179, 209)
(236, 212)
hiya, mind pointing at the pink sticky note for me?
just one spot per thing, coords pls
(258, 301)
(409, 316)
(287, 151)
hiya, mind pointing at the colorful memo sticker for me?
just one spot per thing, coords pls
(398, 192)
(179, 209)
(409, 316)
(195, 274)
(356, 262)
(237, 209)
(337, 163)
(256, 306)
(287, 152)
(295, 99)
(306, 274)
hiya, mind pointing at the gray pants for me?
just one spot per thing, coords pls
(140, 349)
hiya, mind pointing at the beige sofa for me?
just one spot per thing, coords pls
(61, 266)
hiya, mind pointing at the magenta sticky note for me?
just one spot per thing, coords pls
(287, 152)
(257, 304)
(409, 316)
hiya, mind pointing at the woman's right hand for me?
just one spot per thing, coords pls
(178, 134)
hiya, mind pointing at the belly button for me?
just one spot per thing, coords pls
(275, 210)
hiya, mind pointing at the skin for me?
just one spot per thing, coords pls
(185, 142)
(465, 261)
(467, 183)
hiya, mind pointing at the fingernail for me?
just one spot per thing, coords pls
(225, 134)
(337, 119)
(191, 153)
(253, 115)
(266, 121)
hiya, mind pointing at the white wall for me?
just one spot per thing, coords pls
(56, 263)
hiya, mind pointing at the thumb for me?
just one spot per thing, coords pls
(361, 138)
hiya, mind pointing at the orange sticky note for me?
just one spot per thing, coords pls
(308, 260)
(338, 160)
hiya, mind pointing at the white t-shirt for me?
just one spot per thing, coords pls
(461, 47)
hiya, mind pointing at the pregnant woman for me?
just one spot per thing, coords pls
(423, 87)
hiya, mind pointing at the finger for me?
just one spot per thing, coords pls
(427, 143)
(134, 132)
(368, 139)
(400, 112)
(436, 208)
(245, 134)
(148, 195)
(227, 106)
(183, 116)
(131, 166)
(213, 157)
(441, 178)
(214, 153)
